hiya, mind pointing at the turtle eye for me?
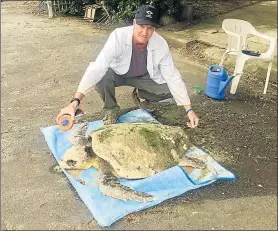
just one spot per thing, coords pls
(89, 151)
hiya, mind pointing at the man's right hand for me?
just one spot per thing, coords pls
(70, 109)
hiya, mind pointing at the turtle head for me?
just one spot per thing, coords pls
(78, 158)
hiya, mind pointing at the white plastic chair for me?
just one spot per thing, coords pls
(237, 31)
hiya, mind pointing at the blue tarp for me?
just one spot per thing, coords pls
(164, 185)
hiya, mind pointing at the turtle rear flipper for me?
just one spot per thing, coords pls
(193, 162)
(109, 186)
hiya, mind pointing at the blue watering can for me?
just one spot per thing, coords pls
(217, 82)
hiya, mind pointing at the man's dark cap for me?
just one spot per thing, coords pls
(147, 15)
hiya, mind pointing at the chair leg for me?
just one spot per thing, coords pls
(240, 62)
(234, 84)
(267, 76)
(224, 56)
(50, 9)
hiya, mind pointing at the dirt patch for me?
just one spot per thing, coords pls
(207, 54)
(206, 9)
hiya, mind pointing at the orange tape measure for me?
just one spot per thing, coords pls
(65, 122)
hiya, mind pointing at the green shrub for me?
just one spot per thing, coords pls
(126, 9)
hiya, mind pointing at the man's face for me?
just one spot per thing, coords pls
(142, 33)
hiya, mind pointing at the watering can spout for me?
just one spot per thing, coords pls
(224, 84)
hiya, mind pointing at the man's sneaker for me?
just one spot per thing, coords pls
(167, 101)
(139, 102)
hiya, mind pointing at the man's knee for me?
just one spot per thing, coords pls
(158, 89)
(146, 83)
(154, 96)
(107, 80)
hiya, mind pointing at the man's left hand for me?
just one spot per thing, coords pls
(193, 118)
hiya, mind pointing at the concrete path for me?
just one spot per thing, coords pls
(262, 15)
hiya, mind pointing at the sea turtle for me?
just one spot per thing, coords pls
(129, 151)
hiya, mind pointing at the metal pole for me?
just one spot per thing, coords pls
(49, 7)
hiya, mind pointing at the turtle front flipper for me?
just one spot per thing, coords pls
(78, 137)
(109, 186)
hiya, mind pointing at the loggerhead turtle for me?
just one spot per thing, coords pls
(129, 151)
